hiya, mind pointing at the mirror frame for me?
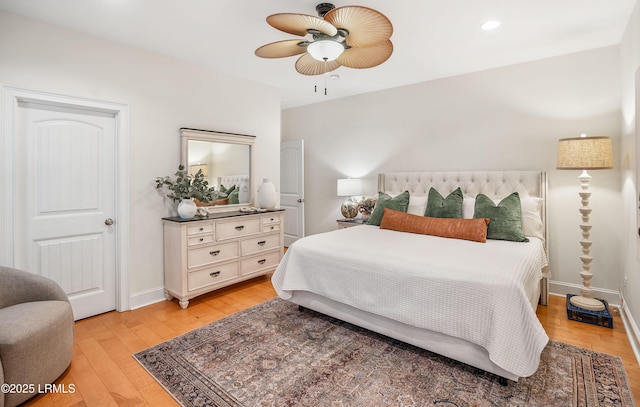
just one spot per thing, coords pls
(188, 134)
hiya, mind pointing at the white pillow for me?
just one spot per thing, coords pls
(468, 207)
(417, 205)
(532, 217)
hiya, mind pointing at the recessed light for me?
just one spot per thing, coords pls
(490, 25)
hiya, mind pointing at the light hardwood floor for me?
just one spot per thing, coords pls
(105, 374)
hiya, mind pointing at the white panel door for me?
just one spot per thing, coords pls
(64, 201)
(292, 189)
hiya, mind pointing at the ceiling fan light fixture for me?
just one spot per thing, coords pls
(351, 36)
(325, 50)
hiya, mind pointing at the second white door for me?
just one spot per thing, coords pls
(292, 189)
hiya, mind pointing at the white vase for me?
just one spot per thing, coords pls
(243, 192)
(267, 195)
(187, 208)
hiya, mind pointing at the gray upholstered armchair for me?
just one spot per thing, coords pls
(36, 332)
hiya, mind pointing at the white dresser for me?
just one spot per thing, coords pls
(226, 248)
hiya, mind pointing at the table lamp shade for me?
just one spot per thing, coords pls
(585, 153)
(349, 187)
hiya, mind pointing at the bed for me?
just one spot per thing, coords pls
(469, 301)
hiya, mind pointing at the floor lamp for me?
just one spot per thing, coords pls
(585, 153)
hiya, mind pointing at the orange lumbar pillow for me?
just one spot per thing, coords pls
(456, 228)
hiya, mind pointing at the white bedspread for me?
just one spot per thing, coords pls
(479, 292)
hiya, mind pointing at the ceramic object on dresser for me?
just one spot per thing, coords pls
(267, 194)
(187, 208)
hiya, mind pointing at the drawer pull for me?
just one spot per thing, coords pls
(202, 239)
(262, 243)
(262, 261)
(272, 219)
(271, 227)
(214, 274)
(240, 227)
(201, 229)
(215, 252)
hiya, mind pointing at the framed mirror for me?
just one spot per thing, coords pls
(226, 160)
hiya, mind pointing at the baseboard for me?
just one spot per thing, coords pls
(147, 297)
(562, 288)
(633, 333)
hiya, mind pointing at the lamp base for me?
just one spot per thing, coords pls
(349, 209)
(587, 303)
(601, 318)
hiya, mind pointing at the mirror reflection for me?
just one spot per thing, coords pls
(225, 161)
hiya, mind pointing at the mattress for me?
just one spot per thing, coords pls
(483, 293)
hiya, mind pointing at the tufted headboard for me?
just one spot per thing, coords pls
(495, 184)
(229, 180)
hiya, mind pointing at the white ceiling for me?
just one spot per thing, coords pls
(432, 38)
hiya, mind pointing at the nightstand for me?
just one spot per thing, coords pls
(347, 223)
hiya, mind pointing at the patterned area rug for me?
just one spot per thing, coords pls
(274, 355)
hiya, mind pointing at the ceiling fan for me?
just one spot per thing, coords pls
(351, 36)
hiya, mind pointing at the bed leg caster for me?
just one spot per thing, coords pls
(503, 381)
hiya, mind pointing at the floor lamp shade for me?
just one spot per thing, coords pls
(585, 153)
(193, 169)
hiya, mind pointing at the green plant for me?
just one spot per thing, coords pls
(182, 185)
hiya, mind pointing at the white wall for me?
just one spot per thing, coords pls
(630, 57)
(163, 94)
(507, 118)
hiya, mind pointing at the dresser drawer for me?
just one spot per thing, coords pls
(268, 220)
(212, 275)
(259, 244)
(211, 254)
(239, 228)
(200, 227)
(270, 228)
(261, 262)
(202, 239)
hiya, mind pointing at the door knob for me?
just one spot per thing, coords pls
(300, 200)
(108, 222)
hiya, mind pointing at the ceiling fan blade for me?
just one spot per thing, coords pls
(281, 49)
(366, 57)
(306, 65)
(298, 24)
(366, 26)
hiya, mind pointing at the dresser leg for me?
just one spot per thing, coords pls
(168, 296)
(184, 304)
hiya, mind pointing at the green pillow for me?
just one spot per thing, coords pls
(506, 222)
(227, 190)
(398, 203)
(439, 207)
(233, 197)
